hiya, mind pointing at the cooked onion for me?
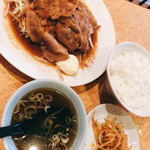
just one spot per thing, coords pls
(39, 96)
(46, 108)
(32, 96)
(29, 111)
(56, 138)
(28, 107)
(68, 120)
(48, 97)
(90, 41)
(64, 139)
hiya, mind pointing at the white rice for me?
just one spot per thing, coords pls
(130, 75)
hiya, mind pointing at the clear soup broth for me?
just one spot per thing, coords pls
(55, 124)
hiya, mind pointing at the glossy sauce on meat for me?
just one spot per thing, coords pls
(34, 48)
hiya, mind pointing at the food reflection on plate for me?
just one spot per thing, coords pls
(101, 114)
(55, 30)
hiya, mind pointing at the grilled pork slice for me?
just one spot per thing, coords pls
(55, 8)
(52, 50)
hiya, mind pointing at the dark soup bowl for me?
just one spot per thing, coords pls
(57, 113)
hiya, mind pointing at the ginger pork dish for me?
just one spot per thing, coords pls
(62, 32)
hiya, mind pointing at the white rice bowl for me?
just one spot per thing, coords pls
(128, 73)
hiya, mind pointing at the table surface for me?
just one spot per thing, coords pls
(132, 23)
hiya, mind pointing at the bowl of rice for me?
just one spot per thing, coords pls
(128, 77)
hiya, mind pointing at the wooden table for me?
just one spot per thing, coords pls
(132, 23)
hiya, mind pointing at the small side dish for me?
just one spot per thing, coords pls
(105, 129)
(109, 135)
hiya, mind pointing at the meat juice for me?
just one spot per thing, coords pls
(35, 50)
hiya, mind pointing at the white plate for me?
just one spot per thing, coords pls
(104, 110)
(24, 62)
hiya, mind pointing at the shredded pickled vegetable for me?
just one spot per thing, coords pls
(109, 135)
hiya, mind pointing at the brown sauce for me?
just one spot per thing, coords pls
(35, 50)
(31, 47)
(90, 55)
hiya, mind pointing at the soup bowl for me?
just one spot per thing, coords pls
(52, 84)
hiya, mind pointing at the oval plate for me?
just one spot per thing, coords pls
(23, 61)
